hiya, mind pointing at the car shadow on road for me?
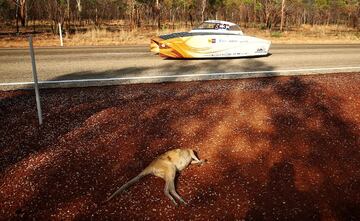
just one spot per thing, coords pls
(222, 58)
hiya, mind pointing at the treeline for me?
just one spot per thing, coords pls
(270, 14)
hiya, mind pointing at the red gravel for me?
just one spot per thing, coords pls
(282, 148)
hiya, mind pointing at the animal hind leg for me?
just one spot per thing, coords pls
(169, 177)
(174, 193)
(166, 192)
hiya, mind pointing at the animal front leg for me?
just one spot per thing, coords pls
(197, 161)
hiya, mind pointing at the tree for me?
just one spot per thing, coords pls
(5, 10)
(203, 7)
(258, 13)
(158, 13)
(21, 11)
(282, 15)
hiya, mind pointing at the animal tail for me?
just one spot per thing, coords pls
(126, 185)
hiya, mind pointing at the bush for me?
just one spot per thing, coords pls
(275, 34)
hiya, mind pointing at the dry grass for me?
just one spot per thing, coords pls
(102, 36)
(93, 37)
(310, 34)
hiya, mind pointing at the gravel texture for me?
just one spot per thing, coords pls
(285, 148)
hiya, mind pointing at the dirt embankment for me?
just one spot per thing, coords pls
(283, 148)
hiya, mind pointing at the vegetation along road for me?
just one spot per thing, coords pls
(134, 64)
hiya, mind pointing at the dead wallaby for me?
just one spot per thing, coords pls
(165, 167)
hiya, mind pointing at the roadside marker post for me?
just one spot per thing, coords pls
(36, 86)
(61, 38)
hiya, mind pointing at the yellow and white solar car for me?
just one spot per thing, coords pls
(212, 39)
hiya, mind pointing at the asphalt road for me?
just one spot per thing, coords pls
(135, 64)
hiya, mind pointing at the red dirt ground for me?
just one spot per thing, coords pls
(283, 148)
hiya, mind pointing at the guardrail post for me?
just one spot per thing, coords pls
(61, 38)
(36, 86)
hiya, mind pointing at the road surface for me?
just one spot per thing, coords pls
(87, 66)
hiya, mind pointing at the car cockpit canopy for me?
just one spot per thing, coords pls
(218, 26)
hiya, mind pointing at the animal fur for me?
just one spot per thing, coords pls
(165, 167)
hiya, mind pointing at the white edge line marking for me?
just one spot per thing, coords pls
(178, 76)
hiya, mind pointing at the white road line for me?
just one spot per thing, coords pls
(309, 70)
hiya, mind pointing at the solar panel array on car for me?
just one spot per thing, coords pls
(174, 35)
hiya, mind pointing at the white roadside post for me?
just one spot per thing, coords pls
(61, 38)
(36, 86)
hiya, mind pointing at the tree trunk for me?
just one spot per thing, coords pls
(131, 14)
(254, 12)
(17, 16)
(282, 15)
(68, 17)
(96, 17)
(203, 7)
(158, 13)
(78, 3)
(22, 12)
(191, 19)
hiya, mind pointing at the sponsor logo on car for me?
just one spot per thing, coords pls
(260, 50)
(212, 40)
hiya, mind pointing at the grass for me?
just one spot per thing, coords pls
(275, 34)
(319, 34)
(115, 34)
